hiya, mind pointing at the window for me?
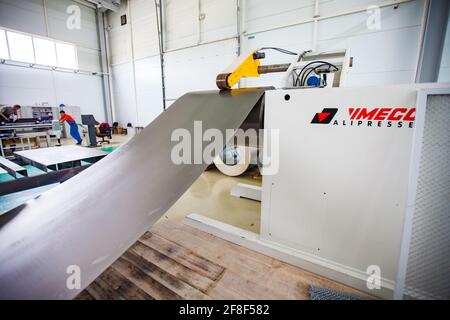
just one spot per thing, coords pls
(66, 56)
(4, 54)
(20, 47)
(44, 51)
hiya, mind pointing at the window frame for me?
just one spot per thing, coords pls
(9, 45)
(54, 49)
(34, 36)
(75, 54)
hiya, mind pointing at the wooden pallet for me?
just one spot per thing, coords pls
(176, 261)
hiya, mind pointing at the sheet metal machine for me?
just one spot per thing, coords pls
(352, 170)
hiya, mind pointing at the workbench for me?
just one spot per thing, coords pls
(20, 126)
(42, 130)
(57, 158)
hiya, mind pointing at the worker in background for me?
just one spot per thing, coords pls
(9, 114)
(73, 126)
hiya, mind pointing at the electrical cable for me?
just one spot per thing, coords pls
(306, 75)
(303, 70)
(279, 50)
(300, 80)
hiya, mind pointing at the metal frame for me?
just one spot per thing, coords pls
(160, 28)
(59, 165)
(39, 180)
(432, 42)
(12, 168)
(104, 64)
(422, 97)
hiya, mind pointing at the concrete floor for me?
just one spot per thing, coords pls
(210, 196)
(117, 139)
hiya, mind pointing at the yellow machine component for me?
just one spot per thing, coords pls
(245, 66)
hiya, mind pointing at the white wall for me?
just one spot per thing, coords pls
(31, 86)
(135, 63)
(135, 53)
(183, 27)
(384, 56)
(196, 68)
(197, 50)
(27, 87)
(201, 40)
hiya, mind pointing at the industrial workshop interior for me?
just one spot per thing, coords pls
(225, 150)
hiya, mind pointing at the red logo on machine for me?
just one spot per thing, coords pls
(325, 116)
(381, 114)
(369, 117)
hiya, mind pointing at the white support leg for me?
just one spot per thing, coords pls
(247, 191)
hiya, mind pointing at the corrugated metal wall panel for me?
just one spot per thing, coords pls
(148, 90)
(376, 52)
(181, 23)
(124, 94)
(297, 38)
(23, 15)
(86, 36)
(268, 14)
(220, 19)
(145, 32)
(196, 68)
(330, 7)
(120, 44)
(119, 36)
(88, 59)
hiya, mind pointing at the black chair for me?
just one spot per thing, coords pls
(104, 131)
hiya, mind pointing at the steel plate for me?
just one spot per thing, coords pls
(92, 218)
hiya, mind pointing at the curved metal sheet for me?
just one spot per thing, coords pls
(92, 218)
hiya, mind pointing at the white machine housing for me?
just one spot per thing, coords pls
(340, 192)
(336, 205)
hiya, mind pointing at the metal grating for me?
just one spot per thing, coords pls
(428, 268)
(318, 293)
